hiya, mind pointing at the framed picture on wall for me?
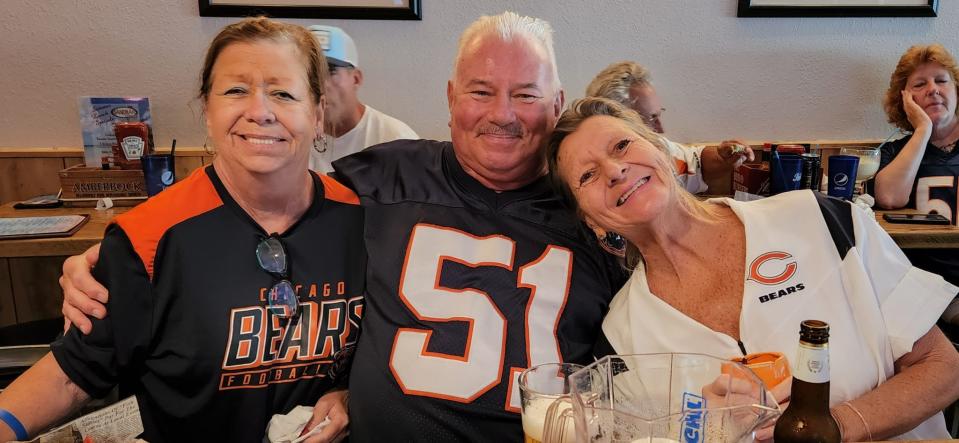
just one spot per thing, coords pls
(838, 8)
(349, 9)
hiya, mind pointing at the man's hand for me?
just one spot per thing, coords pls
(83, 296)
(332, 405)
(734, 153)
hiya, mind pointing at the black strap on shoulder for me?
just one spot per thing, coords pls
(838, 216)
(602, 347)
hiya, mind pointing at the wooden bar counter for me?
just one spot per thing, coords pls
(30, 268)
(89, 234)
(914, 236)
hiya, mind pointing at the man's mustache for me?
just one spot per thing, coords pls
(510, 130)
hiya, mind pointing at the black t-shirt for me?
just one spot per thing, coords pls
(935, 188)
(188, 331)
(466, 287)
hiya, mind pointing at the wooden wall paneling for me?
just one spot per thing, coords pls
(21, 178)
(8, 314)
(72, 161)
(36, 291)
(185, 165)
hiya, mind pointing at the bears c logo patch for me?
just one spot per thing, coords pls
(756, 273)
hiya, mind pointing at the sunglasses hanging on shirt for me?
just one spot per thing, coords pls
(282, 299)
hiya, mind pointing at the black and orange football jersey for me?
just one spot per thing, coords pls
(466, 288)
(189, 330)
(935, 189)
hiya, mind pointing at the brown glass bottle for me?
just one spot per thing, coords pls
(807, 417)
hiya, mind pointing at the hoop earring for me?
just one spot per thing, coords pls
(208, 148)
(321, 140)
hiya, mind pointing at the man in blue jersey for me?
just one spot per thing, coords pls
(476, 272)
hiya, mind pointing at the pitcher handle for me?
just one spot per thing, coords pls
(555, 429)
(767, 414)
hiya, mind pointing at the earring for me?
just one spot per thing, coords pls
(321, 140)
(610, 241)
(613, 243)
(208, 148)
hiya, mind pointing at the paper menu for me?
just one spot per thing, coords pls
(47, 226)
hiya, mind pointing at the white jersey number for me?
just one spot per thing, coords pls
(465, 377)
(926, 204)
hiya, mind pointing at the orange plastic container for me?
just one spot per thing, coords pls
(771, 367)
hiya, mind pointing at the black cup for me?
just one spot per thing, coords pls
(842, 175)
(157, 172)
(785, 173)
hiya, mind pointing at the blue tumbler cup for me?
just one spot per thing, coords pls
(785, 173)
(157, 172)
(842, 175)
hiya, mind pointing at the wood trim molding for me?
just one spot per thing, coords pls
(72, 151)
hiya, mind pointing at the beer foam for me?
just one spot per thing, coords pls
(534, 418)
(534, 423)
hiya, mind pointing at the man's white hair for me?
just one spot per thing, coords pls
(506, 27)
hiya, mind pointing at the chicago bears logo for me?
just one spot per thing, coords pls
(787, 273)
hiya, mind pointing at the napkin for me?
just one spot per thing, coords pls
(866, 202)
(286, 428)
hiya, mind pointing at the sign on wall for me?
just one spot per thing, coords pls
(348, 9)
(838, 8)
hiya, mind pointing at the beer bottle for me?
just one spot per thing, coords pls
(807, 417)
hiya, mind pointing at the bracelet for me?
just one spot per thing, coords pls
(842, 428)
(861, 418)
(11, 420)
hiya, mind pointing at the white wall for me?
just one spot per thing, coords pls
(719, 76)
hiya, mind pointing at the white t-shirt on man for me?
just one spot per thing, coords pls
(373, 128)
(689, 165)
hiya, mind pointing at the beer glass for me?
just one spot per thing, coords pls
(661, 398)
(539, 387)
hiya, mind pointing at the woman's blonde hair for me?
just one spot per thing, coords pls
(910, 60)
(261, 28)
(581, 110)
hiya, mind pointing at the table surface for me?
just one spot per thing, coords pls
(88, 235)
(907, 236)
(911, 236)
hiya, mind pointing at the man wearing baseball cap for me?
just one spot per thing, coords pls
(353, 125)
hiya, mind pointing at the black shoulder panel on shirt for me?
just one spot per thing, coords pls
(838, 216)
(602, 347)
(395, 171)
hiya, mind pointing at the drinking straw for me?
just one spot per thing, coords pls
(891, 134)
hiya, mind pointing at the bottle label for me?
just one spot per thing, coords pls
(812, 363)
(132, 147)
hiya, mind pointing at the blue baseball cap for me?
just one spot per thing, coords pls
(337, 45)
